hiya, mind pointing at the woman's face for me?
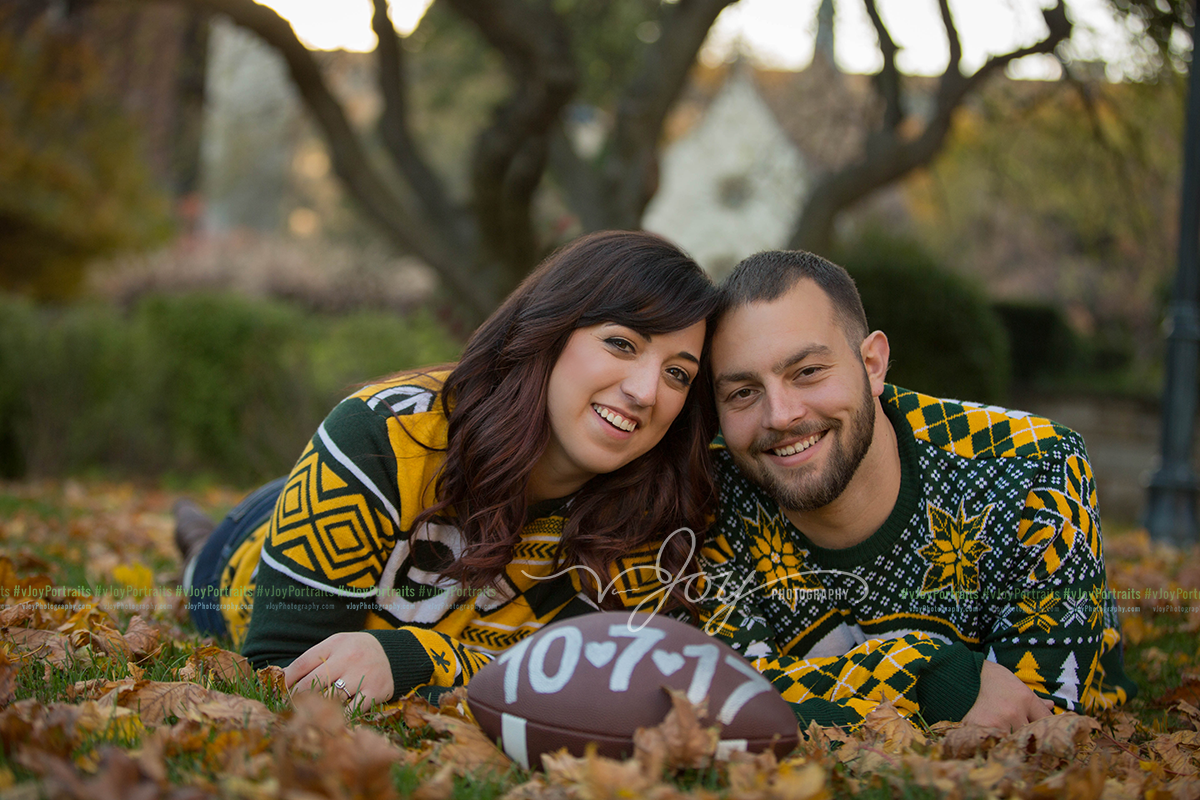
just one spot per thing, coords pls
(613, 393)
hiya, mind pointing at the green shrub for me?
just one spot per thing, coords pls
(216, 386)
(1041, 343)
(225, 381)
(84, 407)
(18, 328)
(945, 338)
(371, 344)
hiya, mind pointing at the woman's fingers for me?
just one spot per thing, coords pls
(351, 666)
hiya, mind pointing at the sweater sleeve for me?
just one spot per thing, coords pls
(914, 672)
(335, 524)
(1056, 626)
(292, 618)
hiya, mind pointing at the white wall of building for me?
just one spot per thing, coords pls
(732, 185)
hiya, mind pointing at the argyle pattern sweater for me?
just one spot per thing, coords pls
(993, 550)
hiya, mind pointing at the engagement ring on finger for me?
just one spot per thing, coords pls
(341, 685)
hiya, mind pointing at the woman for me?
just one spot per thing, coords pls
(419, 533)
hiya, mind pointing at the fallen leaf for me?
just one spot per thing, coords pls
(889, 730)
(8, 679)
(819, 742)
(1122, 724)
(967, 741)
(317, 755)
(1059, 735)
(50, 646)
(1176, 752)
(470, 750)
(13, 585)
(679, 741)
(1187, 692)
(799, 782)
(231, 709)
(272, 679)
(117, 778)
(596, 777)
(219, 663)
(20, 614)
(1190, 711)
(155, 701)
(136, 579)
(749, 778)
(1080, 781)
(141, 638)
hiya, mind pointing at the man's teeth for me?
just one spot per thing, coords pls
(798, 447)
(613, 417)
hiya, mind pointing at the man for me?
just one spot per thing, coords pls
(876, 543)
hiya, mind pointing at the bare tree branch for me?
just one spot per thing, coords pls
(394, 127)
(510, 154)
(581, 182)
(892, 156)
(952, 37)
(631, 170)
(405, 225)
(887, 82)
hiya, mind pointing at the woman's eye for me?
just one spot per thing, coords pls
(680, 375)
(624, 345)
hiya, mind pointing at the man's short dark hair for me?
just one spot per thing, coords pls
(768, 275)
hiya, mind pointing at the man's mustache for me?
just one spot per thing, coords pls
(769, 441)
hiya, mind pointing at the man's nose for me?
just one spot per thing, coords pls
(783, 409)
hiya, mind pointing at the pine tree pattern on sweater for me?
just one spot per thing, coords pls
(994, 543)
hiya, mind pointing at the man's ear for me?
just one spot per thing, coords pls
(876, 352)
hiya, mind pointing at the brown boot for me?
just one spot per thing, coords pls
(192, 528)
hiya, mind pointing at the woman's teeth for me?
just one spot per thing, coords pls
(615, 419)
(798, 447)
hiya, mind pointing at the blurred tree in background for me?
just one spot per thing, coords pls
(1068, 192)
(96, 141)
(630, 59)
(74, 182)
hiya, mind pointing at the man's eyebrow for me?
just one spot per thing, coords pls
(733, 377)
(782, 366)
(801, 354)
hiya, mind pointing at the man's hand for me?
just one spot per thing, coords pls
(355, 659)
(1004, 701)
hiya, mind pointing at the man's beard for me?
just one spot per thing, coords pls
(797, 489)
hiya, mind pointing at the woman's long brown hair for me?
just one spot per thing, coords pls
(495, 400)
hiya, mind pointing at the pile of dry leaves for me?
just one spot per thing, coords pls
(209, 725)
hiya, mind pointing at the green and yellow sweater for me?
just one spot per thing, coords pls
(993, 550)
(339, 553)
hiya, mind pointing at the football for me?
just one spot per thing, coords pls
(597, 678)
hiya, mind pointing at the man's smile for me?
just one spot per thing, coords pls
(800, 446)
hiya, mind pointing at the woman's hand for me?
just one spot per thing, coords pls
(1005, 701)
(355, 659)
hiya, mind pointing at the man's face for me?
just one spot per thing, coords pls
(797, 408)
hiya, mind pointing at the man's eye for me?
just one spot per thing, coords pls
(742, 394)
